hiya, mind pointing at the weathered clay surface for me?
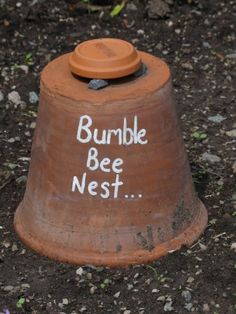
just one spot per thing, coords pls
(153, 211)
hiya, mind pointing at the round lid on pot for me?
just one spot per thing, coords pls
(105, 58)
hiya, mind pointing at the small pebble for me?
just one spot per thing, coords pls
(89, 276)
(14, 97)
(187, 66)
(210, 157)
(25, 286)
(186, 295)
(233, 246)
(217, 118)
(8, 288)
(161, 298)
(206, 45)
(231, 56)
(168, 307)
(117, 294)
(234, 167)
(190, 279)
(93, 289)
(1, 96)
(32, 125)
(231, 133)
(140, 32)
(33, 97)
(188, 306)
(65, 301)
(205, 307)
(11, 140)
(79, 271)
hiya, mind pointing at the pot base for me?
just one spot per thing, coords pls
(65, 254)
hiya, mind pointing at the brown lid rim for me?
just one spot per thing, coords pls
(105, 58)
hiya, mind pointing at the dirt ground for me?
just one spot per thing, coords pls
(197, 39)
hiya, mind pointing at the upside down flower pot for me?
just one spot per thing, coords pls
(109, 180)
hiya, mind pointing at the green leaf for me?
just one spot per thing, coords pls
(117, 9)
(20, 303)
(199, 136)
(102, 285)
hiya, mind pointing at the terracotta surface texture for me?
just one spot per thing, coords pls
(109, 180)
(105, 58)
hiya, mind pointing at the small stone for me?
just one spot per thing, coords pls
(154, 291)
(205, 307)
(6, 244)
(161, 298)
(11, 140)
(188, 306)
(210, 157)
(231, 133)
(233, 246)
(186, 295)
(217, 118)
(130, 6)
(148, 281)
(159, 46)
(127, 312)
(234, 167)
(187, 66)
(1, 96)
(8, 288)
(206, 45)
(96, 84)
(65, 301)
(14, 248)
(190, 279)
(21, 179)
(203, 247)
(14, 97)
(168, 307)
(79, 271)
(158, 9)
(89, 276)
(93, 289)
(24, 68)
(33, 97)
(117, 294)
(231, 56)
(32, 125)
(140, 32)
(25, 286)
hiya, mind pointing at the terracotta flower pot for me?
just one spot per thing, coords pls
(109, 180)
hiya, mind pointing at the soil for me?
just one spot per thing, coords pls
(197, 39)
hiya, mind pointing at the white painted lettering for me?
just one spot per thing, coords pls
(85, 128)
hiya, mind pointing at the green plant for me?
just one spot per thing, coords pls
(117, 9)
(105, 283)
(199, 136)
(29, 59)
(20, 303)
(154, 271)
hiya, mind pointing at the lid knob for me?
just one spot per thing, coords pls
(105, 58)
